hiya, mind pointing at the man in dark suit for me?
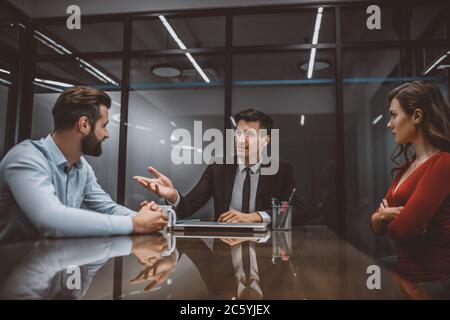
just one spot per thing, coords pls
(241, 191)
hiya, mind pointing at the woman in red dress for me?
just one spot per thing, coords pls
(415, 212)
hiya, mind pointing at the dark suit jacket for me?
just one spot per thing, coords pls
(218, 179)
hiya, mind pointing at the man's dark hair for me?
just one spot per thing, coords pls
(76, 102)
(265, 121)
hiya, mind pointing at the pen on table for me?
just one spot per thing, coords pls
(291, 196)
(273, 201)
(283, 220)
(285, 217)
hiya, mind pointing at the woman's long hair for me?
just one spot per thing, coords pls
(435, 125)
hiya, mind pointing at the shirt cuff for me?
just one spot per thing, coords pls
(265, 216)
(177, 202)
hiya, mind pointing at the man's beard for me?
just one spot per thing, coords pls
(245, 156)
(91, 146)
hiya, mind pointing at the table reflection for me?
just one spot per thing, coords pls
(305, 263)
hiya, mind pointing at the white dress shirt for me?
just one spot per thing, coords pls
(236, 196)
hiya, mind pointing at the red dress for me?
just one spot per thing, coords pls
(421, 231)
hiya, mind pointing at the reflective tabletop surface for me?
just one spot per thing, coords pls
(304, 263)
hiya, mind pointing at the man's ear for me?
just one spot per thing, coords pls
(417, 116)
(83, 125)
(266, 140)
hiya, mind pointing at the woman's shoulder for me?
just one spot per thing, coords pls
(443, 156)
(441, 160)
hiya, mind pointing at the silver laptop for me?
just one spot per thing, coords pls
(215, 225)
(251, 236)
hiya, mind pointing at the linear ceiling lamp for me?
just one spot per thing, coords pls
(183, 47)
(315, 40)
(436, 63)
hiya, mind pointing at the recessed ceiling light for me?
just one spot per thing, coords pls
(165, 71)
(318, 65)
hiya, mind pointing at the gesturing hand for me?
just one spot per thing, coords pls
(160, 185)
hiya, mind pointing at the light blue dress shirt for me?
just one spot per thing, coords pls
(40, 197)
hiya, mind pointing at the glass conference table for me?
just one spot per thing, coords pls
(304, 263)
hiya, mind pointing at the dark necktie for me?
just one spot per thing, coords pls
(246, 262)
(246, 192)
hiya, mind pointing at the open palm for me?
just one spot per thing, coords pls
(160, 185)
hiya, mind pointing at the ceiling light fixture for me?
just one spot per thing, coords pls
(183, 47)
(51, 43)
(436, 63)
(233, 121)
(47, 87)
(4, 81)
(317, 26)
(197, 67)
(377, 119)
(320, 64)
(312, 56)
(315, 40)
(59, 48)
(55, 83)
(165, 71)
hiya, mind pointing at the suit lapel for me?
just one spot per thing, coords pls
(263, 184)
(230, 175)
